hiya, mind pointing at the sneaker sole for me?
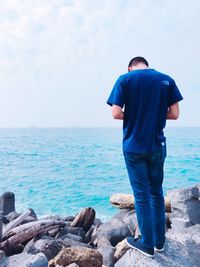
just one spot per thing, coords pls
(159, 250)
(144, 253)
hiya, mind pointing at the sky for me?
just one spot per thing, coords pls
(59, 59)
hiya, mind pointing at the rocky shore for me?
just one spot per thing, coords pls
(85, 241)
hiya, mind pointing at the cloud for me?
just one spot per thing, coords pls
(60, 57)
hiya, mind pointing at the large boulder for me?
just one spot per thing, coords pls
(27, 260)
(185, 205)
(181, 249)
(114, 230)
(79, 255)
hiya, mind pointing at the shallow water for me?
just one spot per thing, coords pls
(62, 170)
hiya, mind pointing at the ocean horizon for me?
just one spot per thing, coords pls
(62, 170)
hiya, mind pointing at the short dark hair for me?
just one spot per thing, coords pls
(134, 61)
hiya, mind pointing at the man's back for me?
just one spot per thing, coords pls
(146, 95)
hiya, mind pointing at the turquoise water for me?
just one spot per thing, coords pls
(62, 170)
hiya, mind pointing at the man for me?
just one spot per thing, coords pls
(144, 98)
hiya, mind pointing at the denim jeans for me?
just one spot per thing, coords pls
(145, 172)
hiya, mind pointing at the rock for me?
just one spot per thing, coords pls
(130, 220)
(71, 230)
(73, 237)
(121, 249)
(12, 216)
(73, 265)
(79, 255)
(27, 260)
(103, 241)
(84, 219)
(181, 249)
(69, 218)
(97, 222)
(126, 201)
(185, 204)
(122, 201)
(7, 203)
(107, 252)
(114, 230)
(2, 258)
(70, 242)
(88, 235)
(49, 246)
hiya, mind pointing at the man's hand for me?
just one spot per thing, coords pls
(173, 112)
(117, 112)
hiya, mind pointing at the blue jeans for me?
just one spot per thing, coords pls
(145, 172)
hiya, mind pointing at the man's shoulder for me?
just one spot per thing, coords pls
(163, 75)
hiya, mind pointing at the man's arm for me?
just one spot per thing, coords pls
(173, 112)
(117, 112)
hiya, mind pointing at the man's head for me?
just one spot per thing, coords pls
(138, 63)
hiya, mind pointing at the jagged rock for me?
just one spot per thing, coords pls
(84, 219)
(27, 260)
(70, 242)
(121, 249)
(7, 203)
(185, 204)
(49, 246)
(114, 230)
(79, 255)
(181, 249)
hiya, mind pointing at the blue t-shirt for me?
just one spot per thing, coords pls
(145, 95)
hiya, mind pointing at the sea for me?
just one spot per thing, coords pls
(60, 171)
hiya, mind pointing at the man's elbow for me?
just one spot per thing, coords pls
(116, 116)
(175, 115)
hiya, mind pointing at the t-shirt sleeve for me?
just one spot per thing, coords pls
(117, 95)
(174, 94)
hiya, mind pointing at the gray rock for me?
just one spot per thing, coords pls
(181, 249)
(12, 216)
(73, 265)
(185, 204)
(71, 230)
(88, 235)
(70, 242)
(69, 218)
(114, 230)
(71, 236)
(108, 255)
(27, 260)
(3, 260)
(7, 203)
(97, 222)
(49, 246)
(130, 220)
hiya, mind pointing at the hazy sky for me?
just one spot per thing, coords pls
(59, 59)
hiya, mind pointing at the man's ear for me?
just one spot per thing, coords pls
(129, 69)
